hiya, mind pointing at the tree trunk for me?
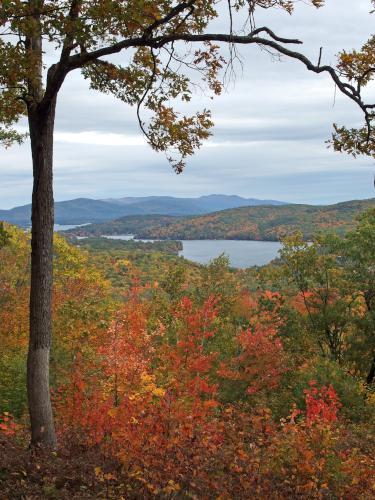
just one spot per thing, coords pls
(371, 374)
(369, 296)
(41, 126)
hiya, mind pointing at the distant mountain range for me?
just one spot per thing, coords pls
(245, 223)
(86, 210)
(192, 206)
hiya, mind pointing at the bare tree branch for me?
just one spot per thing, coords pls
(274, 42)
(143, 97)
(80, 60)
(172, 14)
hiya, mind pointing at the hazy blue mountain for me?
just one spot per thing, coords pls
(190, 206)
(164, 205)
(78, 211)
(216, 202)
(83, 210)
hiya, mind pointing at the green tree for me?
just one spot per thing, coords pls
(313, 269)
(217, 280)
(357, 255)
(358, 67)
(336, 280)
(83, 35)
(4, 236)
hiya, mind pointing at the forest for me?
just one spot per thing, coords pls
(127, 372)
(175, 380)
(171, 247)
(266, 223)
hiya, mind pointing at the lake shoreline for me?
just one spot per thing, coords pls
(140, 237)
(242, 254)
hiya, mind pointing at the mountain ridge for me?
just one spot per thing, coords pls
(87, 210)
(244, 223)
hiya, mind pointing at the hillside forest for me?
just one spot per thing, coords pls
(265, 223)
(175, 380)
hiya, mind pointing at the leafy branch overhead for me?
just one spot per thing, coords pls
(160, 62)
(359, 69)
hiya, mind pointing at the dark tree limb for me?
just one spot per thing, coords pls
(275, 43)
(69, 45)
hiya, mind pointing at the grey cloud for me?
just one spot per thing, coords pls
(269, 137)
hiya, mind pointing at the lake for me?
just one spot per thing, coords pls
(64, 227)
(241, 253)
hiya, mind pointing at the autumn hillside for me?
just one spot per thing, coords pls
(246, 223)
(173, 381)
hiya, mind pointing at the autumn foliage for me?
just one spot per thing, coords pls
(164, 390)
(321, 404)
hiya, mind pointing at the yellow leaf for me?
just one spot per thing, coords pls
(159, 392)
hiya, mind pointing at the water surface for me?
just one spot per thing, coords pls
(64, 227)
(241, 253)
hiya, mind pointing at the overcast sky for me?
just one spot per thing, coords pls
(268, 142)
